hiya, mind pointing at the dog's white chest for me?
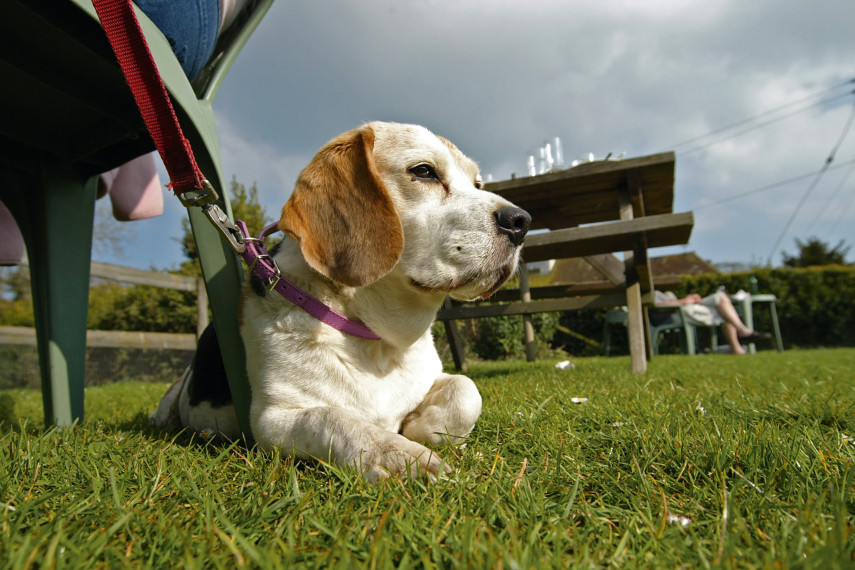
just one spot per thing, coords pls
(380, 384)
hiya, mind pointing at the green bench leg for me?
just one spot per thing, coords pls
(222, 272)
(776, 328)
(55, 213)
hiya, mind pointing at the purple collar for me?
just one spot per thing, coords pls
(262, 266)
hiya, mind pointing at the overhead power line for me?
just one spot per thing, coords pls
(756, 118)
(763, 124)
(813, 184)
(770, 186)
(831, 198)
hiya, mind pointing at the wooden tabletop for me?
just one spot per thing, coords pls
(588, 193)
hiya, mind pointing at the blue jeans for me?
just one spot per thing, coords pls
(191, 26)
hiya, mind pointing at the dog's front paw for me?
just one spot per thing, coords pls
(398, 456)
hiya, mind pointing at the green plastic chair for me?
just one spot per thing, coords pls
(66, 115)
(675, 319)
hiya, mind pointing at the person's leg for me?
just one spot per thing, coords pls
(732, 338)
(731, 317)
(190, 26)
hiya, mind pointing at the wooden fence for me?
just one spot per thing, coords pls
(126, 339)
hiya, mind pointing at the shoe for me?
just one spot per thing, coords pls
(755, 337)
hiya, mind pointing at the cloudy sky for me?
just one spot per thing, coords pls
(500, 77)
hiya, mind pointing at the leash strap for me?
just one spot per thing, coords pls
(262, 266)
(125, 35)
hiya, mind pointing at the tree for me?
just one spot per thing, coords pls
(245, 206)
(816, 252)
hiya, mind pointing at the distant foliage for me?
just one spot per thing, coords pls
(815, 252)
(16, 305)
(141, 308)
(501, 338)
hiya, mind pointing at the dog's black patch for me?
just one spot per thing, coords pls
(257, 286)
(209, 383)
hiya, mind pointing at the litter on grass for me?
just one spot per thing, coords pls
(682, 521)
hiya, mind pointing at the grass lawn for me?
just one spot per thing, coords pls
(707, 461)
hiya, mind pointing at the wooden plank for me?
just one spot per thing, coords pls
(580, 289)
(558, 291)
(109, 339)
(661, 230)
(140, 277)
(601, 168)
(137, 276)
(609, 266)
(546, 306)
(591, 207)
(587, 193)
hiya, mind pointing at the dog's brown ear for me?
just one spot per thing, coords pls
(342, 214)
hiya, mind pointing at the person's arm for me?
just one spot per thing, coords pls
(692, 299)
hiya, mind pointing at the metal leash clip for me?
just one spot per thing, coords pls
(201, 196)
(206, 197)
(226, 227)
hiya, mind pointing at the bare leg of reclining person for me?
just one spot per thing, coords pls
(732, 327)
(712, 310)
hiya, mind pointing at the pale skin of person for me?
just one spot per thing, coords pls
(733, 327)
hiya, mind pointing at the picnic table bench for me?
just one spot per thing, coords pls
(627, 206)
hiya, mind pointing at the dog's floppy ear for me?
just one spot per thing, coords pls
(342, 215)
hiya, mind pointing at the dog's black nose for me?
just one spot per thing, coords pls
(514, 222)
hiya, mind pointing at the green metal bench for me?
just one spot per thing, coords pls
(66, 115)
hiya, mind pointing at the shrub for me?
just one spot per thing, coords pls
(502, 338)
(141, 308)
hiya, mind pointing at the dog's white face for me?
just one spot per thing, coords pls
(417, 207)
(451, 242)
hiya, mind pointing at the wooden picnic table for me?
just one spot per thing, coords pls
(591, 211)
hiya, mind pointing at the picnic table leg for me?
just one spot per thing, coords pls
(55, 212)
(648, 342)
(635, 323)
(455, 343)
(528, 326)
(635, 320)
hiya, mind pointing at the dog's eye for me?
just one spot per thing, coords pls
(424, 171)
(478, 184)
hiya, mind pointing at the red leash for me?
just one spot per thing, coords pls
(125, 35)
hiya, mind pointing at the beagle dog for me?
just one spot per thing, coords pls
(384, 223)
